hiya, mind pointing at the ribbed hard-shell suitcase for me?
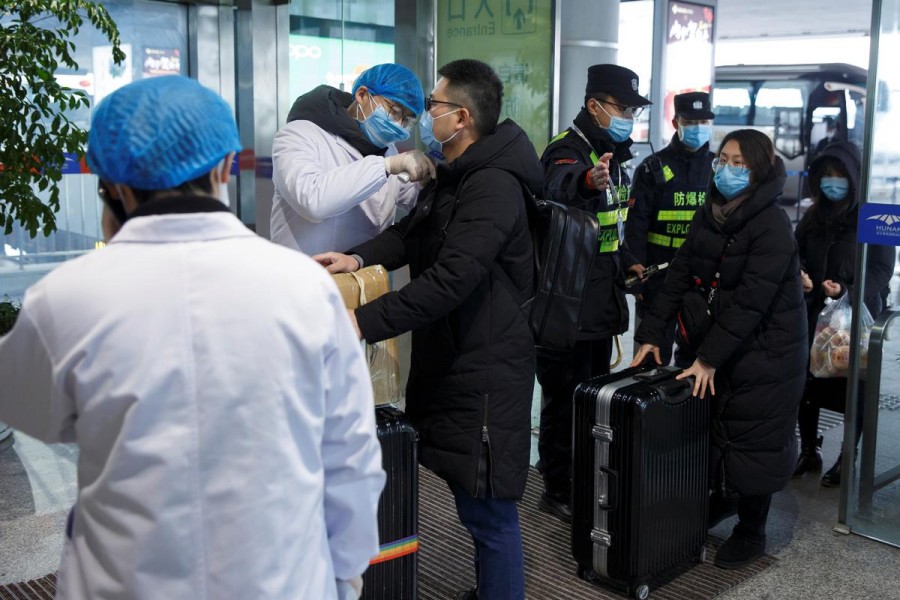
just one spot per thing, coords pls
(640, 494)
(392, 575)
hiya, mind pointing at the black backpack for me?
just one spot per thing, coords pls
(565, 243)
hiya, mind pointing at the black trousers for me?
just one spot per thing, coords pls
(558, 376)
(753, 512)
(684, 358)
(828, 393)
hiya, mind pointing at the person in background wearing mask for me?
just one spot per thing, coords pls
(335, 163)
(223, 410)
(469, 251)
(583, 169)
(668, 188)
(752, 361)
(827, 238)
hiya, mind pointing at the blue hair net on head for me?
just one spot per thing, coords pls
(394, 82)
(157, 133)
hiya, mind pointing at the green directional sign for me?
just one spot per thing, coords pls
(515, 37)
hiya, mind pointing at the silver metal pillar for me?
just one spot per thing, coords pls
(589, 35)
(414, 38)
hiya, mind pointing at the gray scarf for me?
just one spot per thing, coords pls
(721, 212)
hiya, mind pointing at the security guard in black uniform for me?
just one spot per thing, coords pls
(583, 169)
(668, 187)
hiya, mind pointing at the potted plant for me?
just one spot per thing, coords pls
(9, 310)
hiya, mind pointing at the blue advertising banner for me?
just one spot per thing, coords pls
(879, 224)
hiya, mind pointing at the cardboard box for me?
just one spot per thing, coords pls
(384, 366)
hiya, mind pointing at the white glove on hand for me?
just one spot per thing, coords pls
(349, 589)
(414, 163)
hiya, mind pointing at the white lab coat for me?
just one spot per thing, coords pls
(327, 195)
(223, 411)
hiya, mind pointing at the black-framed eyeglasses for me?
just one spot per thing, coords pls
(430, 102)
(396, 113)
(627, 111)
(102, 193)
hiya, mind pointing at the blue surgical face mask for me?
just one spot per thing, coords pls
(835, 188)
(426, 132)
(694, 136)
(731, 181)
(619, 128)
(381, 129)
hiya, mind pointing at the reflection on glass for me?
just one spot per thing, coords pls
(874, 495)
(154, 38)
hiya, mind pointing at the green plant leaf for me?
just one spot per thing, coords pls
(35, 42)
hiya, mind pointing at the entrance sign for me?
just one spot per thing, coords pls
(515, 37)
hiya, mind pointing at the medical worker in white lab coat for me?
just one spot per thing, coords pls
(211, 379)
(335, 165)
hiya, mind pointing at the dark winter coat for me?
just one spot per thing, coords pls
(687, 176)
(757, 343)
(472, 369)
(566, 162)
(826, 236)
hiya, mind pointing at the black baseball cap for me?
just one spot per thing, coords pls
(616, 81)
(693, 106)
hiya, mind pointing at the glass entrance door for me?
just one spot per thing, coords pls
(870, 502)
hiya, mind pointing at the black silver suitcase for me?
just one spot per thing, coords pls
(393, 574)
(640, 491)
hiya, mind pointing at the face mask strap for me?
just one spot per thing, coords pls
(433, 119)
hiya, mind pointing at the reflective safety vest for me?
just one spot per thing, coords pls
(672, 225)
(612, 220)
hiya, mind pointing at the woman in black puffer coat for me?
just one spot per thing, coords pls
(827, 239)
(753, 359)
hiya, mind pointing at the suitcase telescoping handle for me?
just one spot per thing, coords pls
(608, 501)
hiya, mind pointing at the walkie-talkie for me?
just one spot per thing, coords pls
(655, 167)
(648, 273)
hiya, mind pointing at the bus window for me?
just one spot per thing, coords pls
(774, 95)
(731, 102)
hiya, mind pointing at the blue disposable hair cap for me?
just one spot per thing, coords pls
(161, 132)
(394, 82)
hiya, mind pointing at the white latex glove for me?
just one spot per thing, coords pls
(414, 163)
(349, 589)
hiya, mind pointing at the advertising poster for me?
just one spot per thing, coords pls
(162, 61)
(314, 61)
(689, 54)
(108, 76)
(515, 37)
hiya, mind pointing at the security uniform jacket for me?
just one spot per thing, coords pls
(827, 238)
(758, 341)
(472, 368)
(566, 162)
(331, 187)
(222, 408)
(667, 190)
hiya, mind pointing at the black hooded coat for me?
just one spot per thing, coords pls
(758, 341)
(826, 236)
(473, 359)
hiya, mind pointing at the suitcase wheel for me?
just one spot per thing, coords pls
(641, 592)
(586, 573)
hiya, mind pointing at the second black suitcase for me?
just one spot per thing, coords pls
(640, 494)
(392, 575)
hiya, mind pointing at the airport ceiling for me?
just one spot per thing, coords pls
(752, 19)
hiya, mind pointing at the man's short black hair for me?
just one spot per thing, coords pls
(476, 86)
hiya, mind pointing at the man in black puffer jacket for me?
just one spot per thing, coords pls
(469, 249)
(754, 356)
